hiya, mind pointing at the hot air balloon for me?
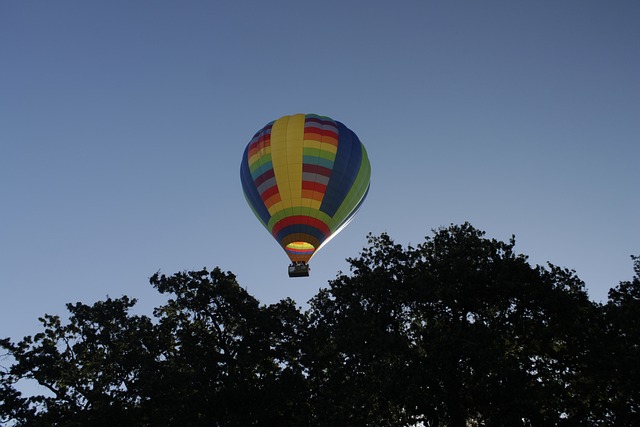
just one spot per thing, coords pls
(305, 177)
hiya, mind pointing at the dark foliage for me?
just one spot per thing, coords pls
(458, 331)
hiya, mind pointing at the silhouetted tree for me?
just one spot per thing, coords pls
(94, 368)
(228, 360)
(619, 356)
(458, 331)
(213, 357)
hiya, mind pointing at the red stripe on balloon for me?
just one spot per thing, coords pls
(300, 219)
(265, 176)
(320, 121)
(318, 131)
(262, 142)
(315, 186)
(320, 170)
(269, 192)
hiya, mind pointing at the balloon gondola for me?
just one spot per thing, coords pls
(305, 177)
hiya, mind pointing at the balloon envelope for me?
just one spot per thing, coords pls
(305, 176)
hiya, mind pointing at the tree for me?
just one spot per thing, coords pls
(616, 367)
(228, 361)
(94, 368)
(213, 357)
(458, 331)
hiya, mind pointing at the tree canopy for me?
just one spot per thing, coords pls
(460, 330)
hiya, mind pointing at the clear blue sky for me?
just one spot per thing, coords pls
(122, 125)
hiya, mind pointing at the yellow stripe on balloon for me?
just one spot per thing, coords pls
(312, 143)
(279, 162)
(295, 136)
(286, 156)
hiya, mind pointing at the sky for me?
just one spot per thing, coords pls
(122, 126)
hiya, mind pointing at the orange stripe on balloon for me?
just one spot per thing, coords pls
(272, 200)
(318, 136)
(313, 195)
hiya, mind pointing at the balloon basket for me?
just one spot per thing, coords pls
(299, 269)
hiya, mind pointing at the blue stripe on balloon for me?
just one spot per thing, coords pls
(251, 192)
(345, 170)
(301, 228)
(317, 160)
